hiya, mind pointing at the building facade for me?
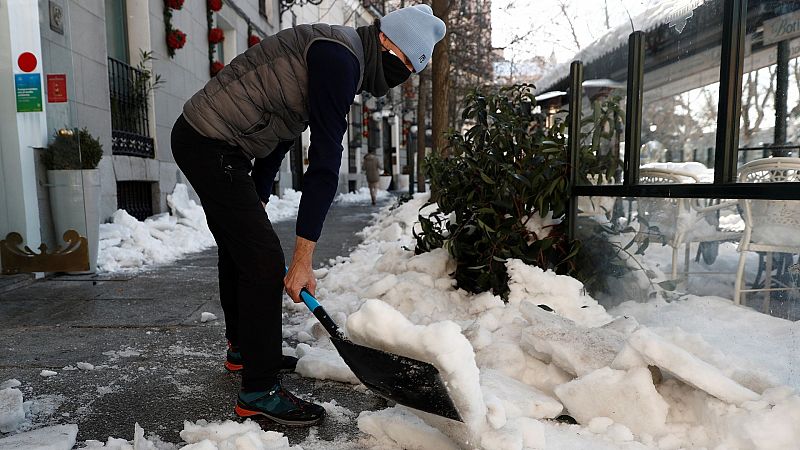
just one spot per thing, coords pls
(122, 69)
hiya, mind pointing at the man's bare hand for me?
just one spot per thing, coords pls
(300, 273)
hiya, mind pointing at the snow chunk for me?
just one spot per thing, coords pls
(628, 398)
(323, 364)
(519, 399)
(12, 383)
(564, 295)
(85, 366)
(12, 412)
(575, 349)
(47, 373)
(690, 369)
(231, 435)
(380, 326)
(59, 437)
(206, 316)
(397, 426)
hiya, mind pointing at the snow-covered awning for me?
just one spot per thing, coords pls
(674, 13)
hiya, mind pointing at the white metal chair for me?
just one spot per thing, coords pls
(770, 225)
(680, 221)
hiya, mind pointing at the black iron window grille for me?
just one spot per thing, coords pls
(135, 197)
(130, 125)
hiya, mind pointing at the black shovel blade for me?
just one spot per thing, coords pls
(407, 381)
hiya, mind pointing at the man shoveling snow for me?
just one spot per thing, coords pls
(255, 108)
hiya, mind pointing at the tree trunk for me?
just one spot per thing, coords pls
(441, 81)
(422, 107)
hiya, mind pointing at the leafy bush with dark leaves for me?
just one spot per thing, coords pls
(78, 150)
(504, 183)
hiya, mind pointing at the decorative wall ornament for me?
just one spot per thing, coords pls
(215, 36)
(252, 37)
(176, 38)
(74, 257)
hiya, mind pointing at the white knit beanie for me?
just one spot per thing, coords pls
(415, 30)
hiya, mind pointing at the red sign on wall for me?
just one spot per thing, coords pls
(56, 88)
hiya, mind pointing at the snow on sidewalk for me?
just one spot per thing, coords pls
(129, 244)
(604, 368)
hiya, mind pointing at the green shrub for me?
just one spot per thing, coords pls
(504, 174)
(73, 151)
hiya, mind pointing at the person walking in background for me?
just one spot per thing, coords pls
(372, 165)
(253, 109)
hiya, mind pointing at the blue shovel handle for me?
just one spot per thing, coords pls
(319, 312)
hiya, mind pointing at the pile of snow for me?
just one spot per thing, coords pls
(649, 374)
(361, 196)
(283, 208)
(128, 244)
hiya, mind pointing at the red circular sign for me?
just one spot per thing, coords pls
(27, 62)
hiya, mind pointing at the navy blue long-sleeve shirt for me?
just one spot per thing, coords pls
(333, 75)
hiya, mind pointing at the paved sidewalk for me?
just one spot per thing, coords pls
(155, 363)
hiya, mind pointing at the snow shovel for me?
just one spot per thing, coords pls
(407, 381)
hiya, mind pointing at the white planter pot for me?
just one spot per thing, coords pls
(75, 204)
(402, 182)
(386, 180)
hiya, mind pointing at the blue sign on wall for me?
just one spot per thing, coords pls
(29, 92)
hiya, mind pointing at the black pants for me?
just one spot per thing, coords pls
(251, 261)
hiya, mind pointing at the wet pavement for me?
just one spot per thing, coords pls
(154, 362)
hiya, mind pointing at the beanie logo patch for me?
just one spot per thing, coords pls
(422, 59)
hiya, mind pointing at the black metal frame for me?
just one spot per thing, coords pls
(726, 155)
(130, 123)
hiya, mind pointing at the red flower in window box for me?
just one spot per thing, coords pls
(253, 40)
(216, 66)
(176, 39)
(215, 5)
(216, 35)
(174, 4)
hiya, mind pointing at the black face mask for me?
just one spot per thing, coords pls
(394, 71)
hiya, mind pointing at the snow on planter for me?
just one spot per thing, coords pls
(627, 397)
(12, 412)
(58, 437)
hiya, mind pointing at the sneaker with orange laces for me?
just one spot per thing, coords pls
(279, 405)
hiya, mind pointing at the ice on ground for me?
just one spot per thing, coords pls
(58, 437)
(47, 373)
(338, 413)
(85, 366)
(629, 398)
(207, 316)
(12, 411)
(323, 364)
(398, 427)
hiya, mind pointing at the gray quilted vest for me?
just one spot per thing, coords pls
(261, 97)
